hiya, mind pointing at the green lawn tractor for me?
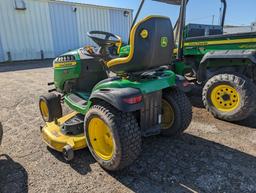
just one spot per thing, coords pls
(221, 67)
(116, 100)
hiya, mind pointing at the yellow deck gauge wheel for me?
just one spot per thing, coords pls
(101, 139)
(167, 115)
(225, 98)
(44, 109)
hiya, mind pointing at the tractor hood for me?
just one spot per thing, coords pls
(173, 2)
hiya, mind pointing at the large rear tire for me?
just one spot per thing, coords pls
(230, 97)
(177, 112)
(113, 137)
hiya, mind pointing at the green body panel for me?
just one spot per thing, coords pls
(146, 86)
(201, 47)
(198, 47)
(62, 74)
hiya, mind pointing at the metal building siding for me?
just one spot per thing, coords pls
(64, 27)
(91, 18)
(1, 51)
(53, 27)
(120, 24)
(26, 33)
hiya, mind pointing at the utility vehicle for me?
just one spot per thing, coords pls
(220, 66)
(116, 100)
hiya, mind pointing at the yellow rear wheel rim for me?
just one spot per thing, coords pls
(44, 109)
(167, 115)
(225, 98)
(101, 139)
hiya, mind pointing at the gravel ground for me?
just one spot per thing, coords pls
(211, 156)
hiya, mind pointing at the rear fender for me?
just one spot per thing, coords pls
(116, 96)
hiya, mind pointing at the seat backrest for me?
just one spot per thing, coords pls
(151, 46)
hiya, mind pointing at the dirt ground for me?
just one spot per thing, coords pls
(211, 156)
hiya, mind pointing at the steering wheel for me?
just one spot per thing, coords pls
(109, 40)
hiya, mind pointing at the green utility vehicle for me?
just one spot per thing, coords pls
(222, 66)
(116, 100)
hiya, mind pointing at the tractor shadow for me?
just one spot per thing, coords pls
(249, 122)
(13, 176)
(25, 65)
(189, 164)
(81, 162)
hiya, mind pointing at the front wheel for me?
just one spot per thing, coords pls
(230, 97)
(176, 112)
(113, 137)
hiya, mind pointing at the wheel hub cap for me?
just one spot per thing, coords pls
(225, 98)
(101, 139)
(44, 109)
(167, 115)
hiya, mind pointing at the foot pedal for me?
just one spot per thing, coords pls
(77, 100)
(74, 126)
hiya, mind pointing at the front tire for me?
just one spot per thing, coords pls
(113, 137)
(176, 112)
(230, 97)
(50, 107)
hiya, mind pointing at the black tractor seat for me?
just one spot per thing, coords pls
(151, 46)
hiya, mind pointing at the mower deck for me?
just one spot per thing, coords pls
(54, 137)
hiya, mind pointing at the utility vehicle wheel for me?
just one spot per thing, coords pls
(68, 153)
(176, 112)
(230, 97)
(50, 107)
(113, 137)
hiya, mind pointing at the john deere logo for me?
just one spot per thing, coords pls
(164, 42)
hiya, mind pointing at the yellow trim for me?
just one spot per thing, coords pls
(119, 44)
(64, 64)
(117, 61)
(231, 102)
(219, 42)
(101, 139)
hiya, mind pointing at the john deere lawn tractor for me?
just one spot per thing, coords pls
(222, 67)
(116, 100)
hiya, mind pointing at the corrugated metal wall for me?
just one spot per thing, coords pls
(119, 23)
(25, 33)
(64, 28)
(87, 17)
(54, 27)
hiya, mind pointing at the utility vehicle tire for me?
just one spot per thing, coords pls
(50, 107)
(230, 97)
(177, 112)
(113, 137)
